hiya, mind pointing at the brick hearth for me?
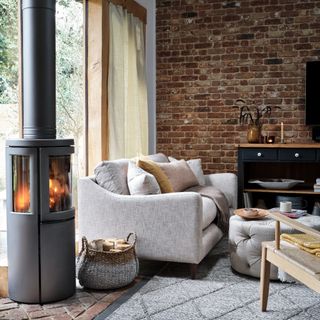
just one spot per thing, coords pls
(84, 305)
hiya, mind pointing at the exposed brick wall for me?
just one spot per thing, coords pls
(210, 53)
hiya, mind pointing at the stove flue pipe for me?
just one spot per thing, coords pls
(38, 69)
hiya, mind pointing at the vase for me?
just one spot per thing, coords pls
(253, 134)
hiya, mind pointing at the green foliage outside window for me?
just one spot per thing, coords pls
(8, 52)
(69, 71)
(69, 44)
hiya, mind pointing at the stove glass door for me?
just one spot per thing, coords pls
(55, 183)
(21, 183)
(60, 183)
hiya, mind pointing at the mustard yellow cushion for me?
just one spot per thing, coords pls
(156, 171)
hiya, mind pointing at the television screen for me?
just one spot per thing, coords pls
(313, 93)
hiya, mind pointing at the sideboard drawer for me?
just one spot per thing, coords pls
(297, 154)
(260, 154)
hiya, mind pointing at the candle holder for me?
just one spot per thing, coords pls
(270, 139)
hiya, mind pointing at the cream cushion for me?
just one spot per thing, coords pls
(209, 210)
(156, 171)
(141, 182)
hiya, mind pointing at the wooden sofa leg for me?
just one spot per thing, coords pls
(264, 279)
(193, 270)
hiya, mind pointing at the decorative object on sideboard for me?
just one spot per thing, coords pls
(253, 117)
(270, 139)
(316, 186)
(268, 133)
(282, 184)
(282, 133)
(253, 133)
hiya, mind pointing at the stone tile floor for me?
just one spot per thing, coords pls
(84, 305)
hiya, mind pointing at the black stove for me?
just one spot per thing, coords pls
(40, 215)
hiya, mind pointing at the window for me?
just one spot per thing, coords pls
(9, 111)
(117, 112)
(70, 88)
(70, 83)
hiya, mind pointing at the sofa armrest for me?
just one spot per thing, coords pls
(165, 224)
(225, 182)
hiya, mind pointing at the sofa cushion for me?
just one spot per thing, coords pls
(180, 175)
(196, 167)
(156, 171)
(141, 182)
(158, 157)
(112, 175)
(209, 212)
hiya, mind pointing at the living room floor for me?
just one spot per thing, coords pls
(84, 305)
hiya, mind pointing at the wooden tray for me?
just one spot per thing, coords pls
(251, 213)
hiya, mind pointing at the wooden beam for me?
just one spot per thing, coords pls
(3, 281)
(133, 7)
(97, 47)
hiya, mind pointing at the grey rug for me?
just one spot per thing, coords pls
(217, 293)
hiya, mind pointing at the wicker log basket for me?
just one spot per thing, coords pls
(99, 269)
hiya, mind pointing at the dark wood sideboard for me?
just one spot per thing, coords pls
(285, 161)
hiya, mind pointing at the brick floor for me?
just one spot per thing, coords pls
(84, 305)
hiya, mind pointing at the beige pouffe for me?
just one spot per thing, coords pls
(245, 239)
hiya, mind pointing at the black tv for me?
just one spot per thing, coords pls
(313, 93)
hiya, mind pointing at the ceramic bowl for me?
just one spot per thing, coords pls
(276, 183)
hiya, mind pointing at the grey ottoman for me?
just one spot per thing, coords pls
(245, 239)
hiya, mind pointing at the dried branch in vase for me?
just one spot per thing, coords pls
(253, 115)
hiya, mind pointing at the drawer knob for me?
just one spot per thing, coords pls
(297, 155)
(259, 154)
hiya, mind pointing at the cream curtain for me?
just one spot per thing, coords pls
(127, 87)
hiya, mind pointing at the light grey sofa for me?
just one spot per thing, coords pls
(170, 227)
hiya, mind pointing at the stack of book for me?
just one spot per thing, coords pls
(295, 214)
(316, 186)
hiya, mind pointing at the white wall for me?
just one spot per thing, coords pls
(150, 5)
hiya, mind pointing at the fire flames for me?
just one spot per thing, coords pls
(56, 192)
(22, 199)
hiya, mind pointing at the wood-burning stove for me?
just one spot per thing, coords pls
(40, 215)
(41, 235)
